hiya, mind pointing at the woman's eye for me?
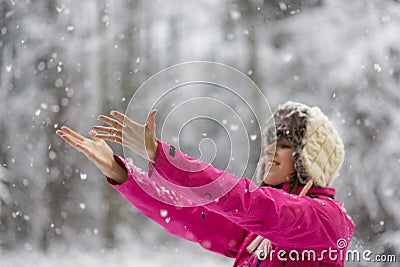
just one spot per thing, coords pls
(284, 146)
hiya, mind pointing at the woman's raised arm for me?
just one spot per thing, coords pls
(211, 231)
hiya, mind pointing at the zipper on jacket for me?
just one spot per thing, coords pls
(203, 215)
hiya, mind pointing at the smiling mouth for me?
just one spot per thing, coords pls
(272, 163)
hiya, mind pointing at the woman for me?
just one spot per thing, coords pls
(292, 220)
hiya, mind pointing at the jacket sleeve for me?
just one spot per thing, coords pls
(211, 230)
(287, 220)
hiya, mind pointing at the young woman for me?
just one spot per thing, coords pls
(291, 220)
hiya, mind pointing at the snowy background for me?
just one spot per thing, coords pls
(64, 62)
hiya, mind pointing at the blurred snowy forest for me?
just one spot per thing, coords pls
(63, 62)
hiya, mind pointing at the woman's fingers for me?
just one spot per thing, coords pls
(113, 138)
(93, 134)
(77, 138)
(121, 117)
(109, 130)
(127, 122)
(68, 138)
(73, 133)
(151, 120)
(114, 123)
(106, 133)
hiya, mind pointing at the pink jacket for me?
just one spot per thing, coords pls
(311, 230)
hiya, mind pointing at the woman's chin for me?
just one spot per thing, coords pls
(271, 181)
(268, 182)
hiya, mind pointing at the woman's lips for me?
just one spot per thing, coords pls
(272, 163)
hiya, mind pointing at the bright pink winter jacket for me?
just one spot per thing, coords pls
(311, 230)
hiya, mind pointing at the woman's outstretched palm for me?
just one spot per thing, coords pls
(96, 150)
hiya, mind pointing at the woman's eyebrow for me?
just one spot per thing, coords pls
(286, 142)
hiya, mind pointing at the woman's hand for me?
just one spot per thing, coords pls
(97, 151)
(137, 137)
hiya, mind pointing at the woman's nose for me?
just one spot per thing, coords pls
(270, 149)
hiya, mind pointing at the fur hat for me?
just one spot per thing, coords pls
(319, 150)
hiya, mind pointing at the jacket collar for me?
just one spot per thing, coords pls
(313, 192)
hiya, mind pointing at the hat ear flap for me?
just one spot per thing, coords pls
(299, 166)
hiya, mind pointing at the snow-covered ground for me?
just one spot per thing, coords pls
(130, 255)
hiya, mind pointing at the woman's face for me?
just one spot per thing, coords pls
(279, 165)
